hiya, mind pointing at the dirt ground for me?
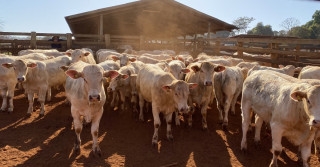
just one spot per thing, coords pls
(124, 141)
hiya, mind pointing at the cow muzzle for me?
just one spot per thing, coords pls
(183, 109)
(20, 79)
(208, 83)
(94, 98)
(316, 123)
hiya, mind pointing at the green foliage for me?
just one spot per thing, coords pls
(309, 30)
(261, 29)
(242, 23)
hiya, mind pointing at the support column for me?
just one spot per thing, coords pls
(101, 27)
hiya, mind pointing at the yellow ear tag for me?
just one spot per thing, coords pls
(108, 79)
(299, 98)
(76, 76)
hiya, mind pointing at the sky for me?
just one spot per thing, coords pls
(47, 16)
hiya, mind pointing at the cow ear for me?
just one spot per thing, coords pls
(132, 59)
(7, 65)
(192, 85)
(64, 68)
(87, 54)
(281, 66)
(174, 58)
(166, 88)
(68, 53)
(219, 68)
(74, 74)
(124, 76)
(112, 74)
(185, 70)
(298, 95)
(195, 60)
(31, 65)
(195, 68)
(115, 58)
(181, 59)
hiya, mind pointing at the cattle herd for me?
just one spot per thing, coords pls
(170, 83)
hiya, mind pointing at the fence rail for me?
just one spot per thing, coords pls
(299, 52)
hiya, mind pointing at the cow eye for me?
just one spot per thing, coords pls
(308, 101)
(176, 94)
(85, 80)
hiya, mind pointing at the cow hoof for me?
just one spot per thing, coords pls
(244, 151)
(96, 152)
(257, 144)
(76, 149)
(28, 115)
(170, 138)
(41, 115)
(2, 110)
(220, 122)
(224, 127)
(154, 144)
(205, 129)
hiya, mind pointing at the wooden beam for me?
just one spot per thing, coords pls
(33, 42)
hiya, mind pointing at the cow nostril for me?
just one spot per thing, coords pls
(314, 122)
(98, 97)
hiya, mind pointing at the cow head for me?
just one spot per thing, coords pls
(124, 59)
(179, 90)
(176, 70)
(206, 70)
(20, 68)
(116, 82)
(92, 76)
(78, 55)
(310, 98)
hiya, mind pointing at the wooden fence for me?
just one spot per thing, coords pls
(299, 52)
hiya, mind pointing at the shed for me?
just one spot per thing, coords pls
(149, 18)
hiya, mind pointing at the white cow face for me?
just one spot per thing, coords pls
(310, 99)
(124, 59)
(20, 68)
(116, 82)
(177, 71)
(93, 80)
(206, 70)
(180, 92)
(78, 55)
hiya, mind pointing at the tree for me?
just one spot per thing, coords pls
(261, 29)
(289, 23)
(243, 24)
(300, 32)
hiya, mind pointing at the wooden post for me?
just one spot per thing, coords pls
(209, 30)
(33, 41)
(297, 57)
(274, 56)
(141, 42)
(101, 27)
(217, 49)
(107, 40)
(69, 41)
(240, 52)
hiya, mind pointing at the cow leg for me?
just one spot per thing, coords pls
(49, 94)
(114, 96)
(177, 120)
(94, 131)
(141, 104)
(191, 111)
(245, 108)
(226, 108)
(258, 126)
(306, 152)
(156, 124)
(169, 130)
(234, 101)
(4, 93)
(77, 123)
(276, 132)
(219, 106)
(30, 99)
(10, 97)
(122, 98)
(204, 115)
(317, 143)
(42, 99)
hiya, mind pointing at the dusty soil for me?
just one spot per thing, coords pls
(124, 141)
